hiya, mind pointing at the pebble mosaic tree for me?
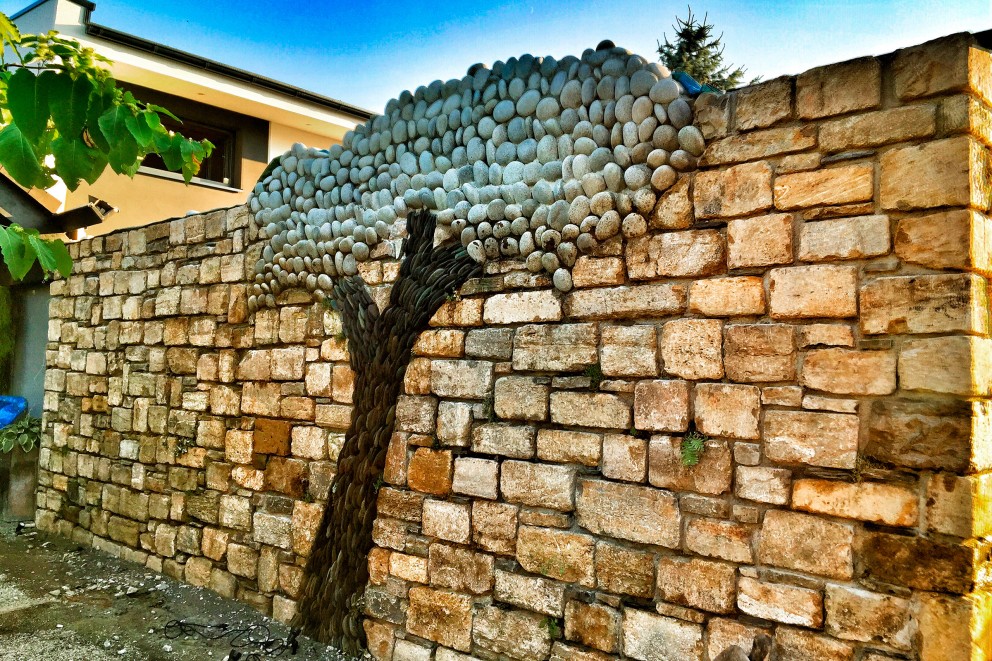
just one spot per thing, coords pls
(535, 159)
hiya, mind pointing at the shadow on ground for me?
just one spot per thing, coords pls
(61, 602)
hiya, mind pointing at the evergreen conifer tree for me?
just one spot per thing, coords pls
(698, 53)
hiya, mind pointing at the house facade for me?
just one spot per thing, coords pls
(249, 118)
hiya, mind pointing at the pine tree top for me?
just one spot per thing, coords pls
(699, 53)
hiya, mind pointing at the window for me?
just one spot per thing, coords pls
(219, 167)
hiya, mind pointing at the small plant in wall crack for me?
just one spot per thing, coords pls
(595, 374)
(553, 627)
(693, 446)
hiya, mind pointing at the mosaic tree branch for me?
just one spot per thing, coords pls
(380, 345)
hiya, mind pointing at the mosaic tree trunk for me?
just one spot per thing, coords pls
(380, 344)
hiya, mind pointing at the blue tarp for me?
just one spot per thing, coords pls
(11, 409)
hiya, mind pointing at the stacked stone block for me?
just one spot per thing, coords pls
(813, 302)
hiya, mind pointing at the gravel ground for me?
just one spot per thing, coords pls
(60, 602)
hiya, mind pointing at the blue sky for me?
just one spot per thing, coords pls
(367, 52)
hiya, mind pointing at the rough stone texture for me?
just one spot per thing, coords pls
(836, 357)
(638, 514)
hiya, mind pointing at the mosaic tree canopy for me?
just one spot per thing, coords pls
(534, 159)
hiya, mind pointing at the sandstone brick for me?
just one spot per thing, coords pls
(661, 406)
(674, 209)
(759, 144)
(696, 583)
(727, 297)
(844, 238)
(647, 636)
(286, 475)
(272, 529)
(461, 379)
(653, 300)
(719, 539)
(558, 348)
(408, 567)
(557, 554)
(932, 68)
(764, 104)
(494, 526)
(415, 414)
(506, 440)
(780, 602)
(260, 399)
(692, 348)
(711, 475)
(945, 624)
(803, 644)
(521, 398)
(465, 312)
(272, 437)
(954, 505)
(522, 307)
(430, 471)
(830, 335)
(915, 562)
(538, 485)
(691, 253)
(379, 638)
(400, 504)
(441, 616)
(511, 631)
(739, 190)
(638, 514)
(759, 241)
(856, 614)
(817, 439)
(242, 560)
(934, 174)
(443, 343)
(598, 271)
(624, 571)
(763, 484)
(807, 543)
(489, 343)
(760, 352)
(460, 569)
(849, 372)
(954, 239)
(197, 571)
(878, 128)
(537, 594)
(447, 521)
(598, 410)
(925, 304)
(941, 364)
(629, 351)
(925, 435)
(723, 633)
(727, 410)
(595, 625)
(625, 457)
(830, 186)
(454, 423)
(813, 291)
(476, 477)
(569, 446)
(839, 88)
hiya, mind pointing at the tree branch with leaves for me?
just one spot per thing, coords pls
(62, 115)
(700, 54)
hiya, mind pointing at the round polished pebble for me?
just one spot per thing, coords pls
(532, 159)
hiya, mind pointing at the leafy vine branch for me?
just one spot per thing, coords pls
(63, 116)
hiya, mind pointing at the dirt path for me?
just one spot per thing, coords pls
(60, 602)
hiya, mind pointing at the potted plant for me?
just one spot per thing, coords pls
(19, 441)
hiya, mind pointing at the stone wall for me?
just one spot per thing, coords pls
(812, 302)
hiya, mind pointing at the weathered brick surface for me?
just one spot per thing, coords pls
(812, 301)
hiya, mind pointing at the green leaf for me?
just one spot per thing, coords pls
(17, 253)
(17, 156)
(123, 151)
(164, 111)
(63, 262)
(72, 160)
(140, 130)
(99, 103)
(44, 254)
(8, 31)
(27, 102)
(68, 101)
